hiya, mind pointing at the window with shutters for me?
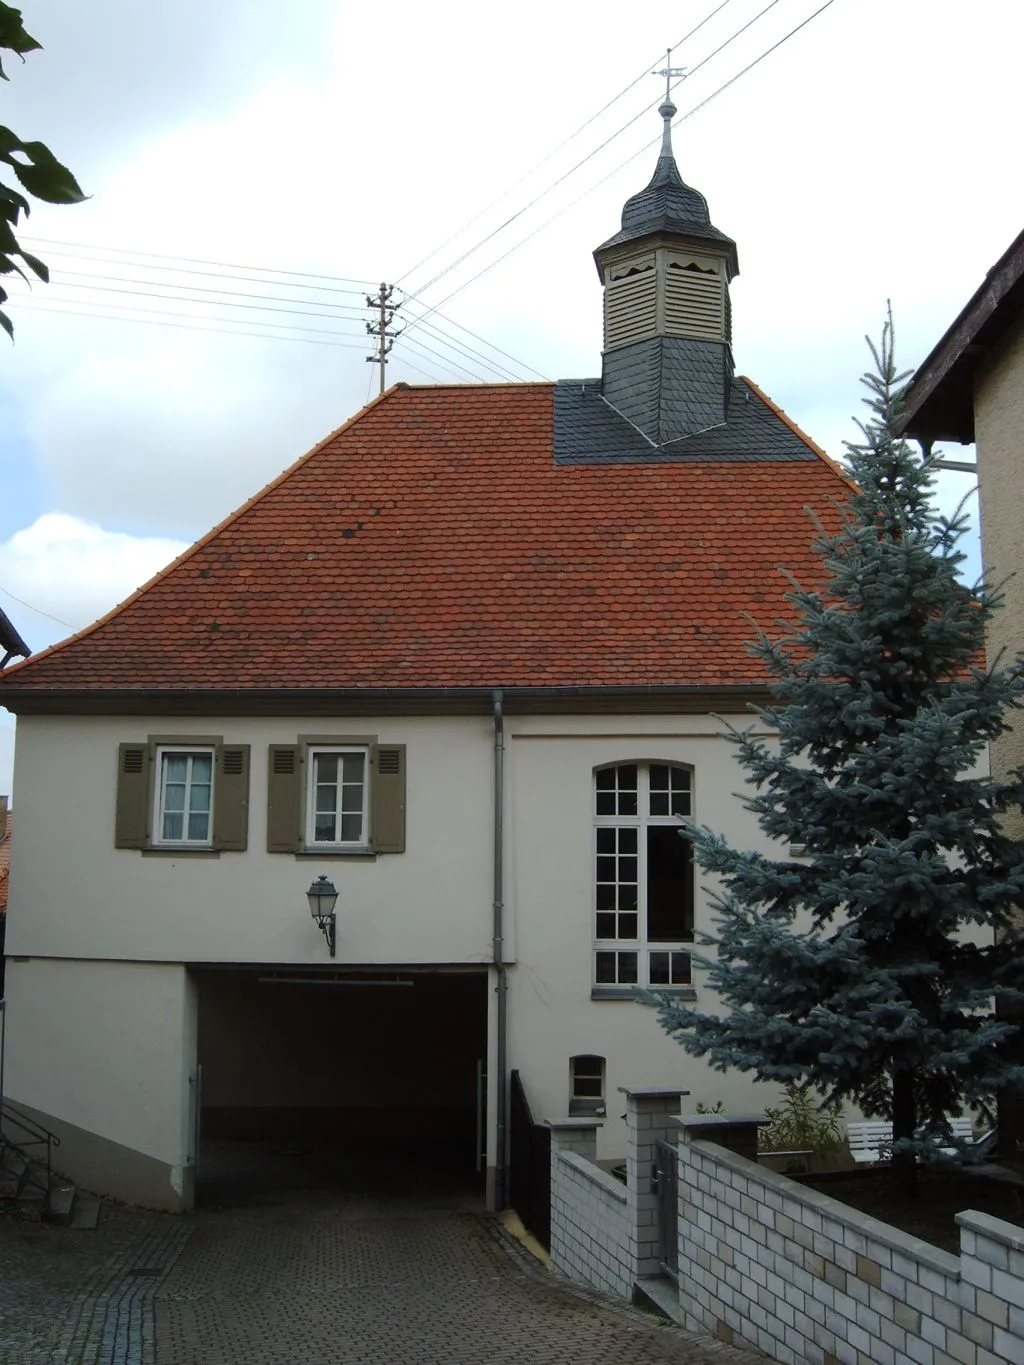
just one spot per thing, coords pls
(182, 794)
(340, 796)
(336, 799)
(644, 882)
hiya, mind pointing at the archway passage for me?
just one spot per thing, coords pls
(362, 1080)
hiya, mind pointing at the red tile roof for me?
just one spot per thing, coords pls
(432, 542)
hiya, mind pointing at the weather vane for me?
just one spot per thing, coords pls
(668, 71)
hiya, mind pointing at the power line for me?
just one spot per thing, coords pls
(210, 274)
(200, 289)
(421, 346)
(78, 312)
(566, 207)
(589, 157)
(315, 288)
(30, 306)
(564, 143)
(195, 260)
(436, 312)
(171, 313)
(38, 611)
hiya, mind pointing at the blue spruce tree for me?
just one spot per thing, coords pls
(867, 970)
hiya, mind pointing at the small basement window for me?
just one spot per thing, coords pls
(586, 1082)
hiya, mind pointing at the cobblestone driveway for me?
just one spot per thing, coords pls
(311, 1277)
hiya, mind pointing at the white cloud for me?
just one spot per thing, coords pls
(75, 570)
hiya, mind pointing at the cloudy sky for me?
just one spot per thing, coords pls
(250, 178)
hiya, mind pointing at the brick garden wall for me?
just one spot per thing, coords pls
(767, 1262)
(589, 1224)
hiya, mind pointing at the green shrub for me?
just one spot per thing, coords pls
(802, 1124)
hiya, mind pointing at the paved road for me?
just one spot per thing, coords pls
(311, 1276)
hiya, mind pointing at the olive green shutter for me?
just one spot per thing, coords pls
(387, 798)
(131, 825)
(284, 798)
(231, 798)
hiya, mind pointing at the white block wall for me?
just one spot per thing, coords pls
(590, 1240)
(770, 1263)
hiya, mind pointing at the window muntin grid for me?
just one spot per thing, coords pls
(184, 812)
(336, 803)
(587, 1077)
(644, 895)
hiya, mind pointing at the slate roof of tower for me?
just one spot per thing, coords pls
(438, 540)
(589, 431)
(668, 204)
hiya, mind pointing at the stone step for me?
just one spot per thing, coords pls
(86, 1212)
(61, 1203)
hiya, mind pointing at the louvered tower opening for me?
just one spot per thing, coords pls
(695, 297)
(631, 303)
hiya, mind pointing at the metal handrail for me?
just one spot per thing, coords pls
(26, 1124)
(38, 1136)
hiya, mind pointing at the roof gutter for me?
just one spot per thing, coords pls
(281, 701)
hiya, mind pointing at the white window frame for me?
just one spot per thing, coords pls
(587, 1104)
(641, 945)
(313, 751)
(190, 751)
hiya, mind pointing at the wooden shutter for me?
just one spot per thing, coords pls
(134, 766)
(387, 798)
(284, 798)
(231, 798)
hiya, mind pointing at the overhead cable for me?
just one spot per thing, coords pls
(640, 151)
(554, 152)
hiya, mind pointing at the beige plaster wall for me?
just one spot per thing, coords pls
(551, 1014)
(106, 1048)
(73, 894)
(999, 431)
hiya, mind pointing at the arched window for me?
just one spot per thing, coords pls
(643, 885)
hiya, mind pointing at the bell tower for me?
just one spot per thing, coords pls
(667, 359)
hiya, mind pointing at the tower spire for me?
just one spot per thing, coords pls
(667, 109)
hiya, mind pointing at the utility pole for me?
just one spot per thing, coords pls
(386, 311)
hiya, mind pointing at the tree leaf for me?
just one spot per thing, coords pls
(52, 186)
(47, 179)
(6, 324)
(40, 268)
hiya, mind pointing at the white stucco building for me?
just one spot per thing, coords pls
(465, 660)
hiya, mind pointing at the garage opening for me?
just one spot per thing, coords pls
(359, 1078)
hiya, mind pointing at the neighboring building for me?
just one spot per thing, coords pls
(11, 646)
(467, 658)
(11, 643)
(970, 388)
(6, 828)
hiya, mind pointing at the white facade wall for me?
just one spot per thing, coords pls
(551, 762)
(74, 895)
(108, 1047)
(76, 898)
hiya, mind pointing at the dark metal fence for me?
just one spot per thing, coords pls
(529, 1166)
(666, 1186)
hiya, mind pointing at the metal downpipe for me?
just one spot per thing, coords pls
(498, 956)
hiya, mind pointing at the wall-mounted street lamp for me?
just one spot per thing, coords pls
(323, 897)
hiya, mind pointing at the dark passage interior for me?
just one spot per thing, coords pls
(373, 1062)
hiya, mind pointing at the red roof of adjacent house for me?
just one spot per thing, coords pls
(433, 541)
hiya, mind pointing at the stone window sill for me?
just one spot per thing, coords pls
(335, 854)
(638, 992)
(166, 851)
